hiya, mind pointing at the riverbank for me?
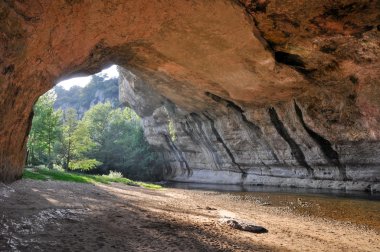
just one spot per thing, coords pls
(285, 178)
(42, 215)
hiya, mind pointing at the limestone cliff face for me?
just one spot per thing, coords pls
(99, 90)
(263, 146)
(257, 91)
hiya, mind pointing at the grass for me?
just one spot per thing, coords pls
(28, 174)
(46, 174)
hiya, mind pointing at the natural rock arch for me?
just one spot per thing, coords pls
(267, 89)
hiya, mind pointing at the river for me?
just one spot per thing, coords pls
(358, 208)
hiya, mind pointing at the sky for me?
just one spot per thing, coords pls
(111, 72)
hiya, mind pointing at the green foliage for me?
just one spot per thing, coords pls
(45, 174)
(105, 139)
(148, 185)
(66, 147)
(44, 132)
(63, 176)
(114, 174)
(84, 164)
(171, 130)
(115, 137)
(29, 174)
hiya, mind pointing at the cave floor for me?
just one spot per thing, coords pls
(64, 216)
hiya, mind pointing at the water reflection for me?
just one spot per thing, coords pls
(274, 189)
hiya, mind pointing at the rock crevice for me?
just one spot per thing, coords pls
(325, 146)
(296, 150)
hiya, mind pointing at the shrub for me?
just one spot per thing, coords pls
(84, 165)
(114, 174)
(57, 167)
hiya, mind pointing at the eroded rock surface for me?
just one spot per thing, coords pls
(260, 92)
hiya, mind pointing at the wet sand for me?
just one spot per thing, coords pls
(63, 216)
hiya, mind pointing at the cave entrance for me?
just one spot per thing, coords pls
(82, 126)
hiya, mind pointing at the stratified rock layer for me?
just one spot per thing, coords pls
(261, 92)
(274, 146)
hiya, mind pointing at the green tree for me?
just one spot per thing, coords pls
(44, 132)
(105, 139)
(94, 130)
(115, 138)
(67, 147)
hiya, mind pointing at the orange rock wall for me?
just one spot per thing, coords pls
(262, 56)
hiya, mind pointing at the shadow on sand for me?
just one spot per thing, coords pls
(63, 216)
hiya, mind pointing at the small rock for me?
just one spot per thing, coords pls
(210, 208)
(246, 227)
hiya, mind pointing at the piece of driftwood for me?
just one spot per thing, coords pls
(246, 227)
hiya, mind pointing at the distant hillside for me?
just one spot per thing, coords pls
(99, 90)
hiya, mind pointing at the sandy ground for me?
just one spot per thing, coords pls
(62, 216)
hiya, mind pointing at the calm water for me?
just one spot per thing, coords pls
(354, 207)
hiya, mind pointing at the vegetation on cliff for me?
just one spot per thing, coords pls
(100, 90)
